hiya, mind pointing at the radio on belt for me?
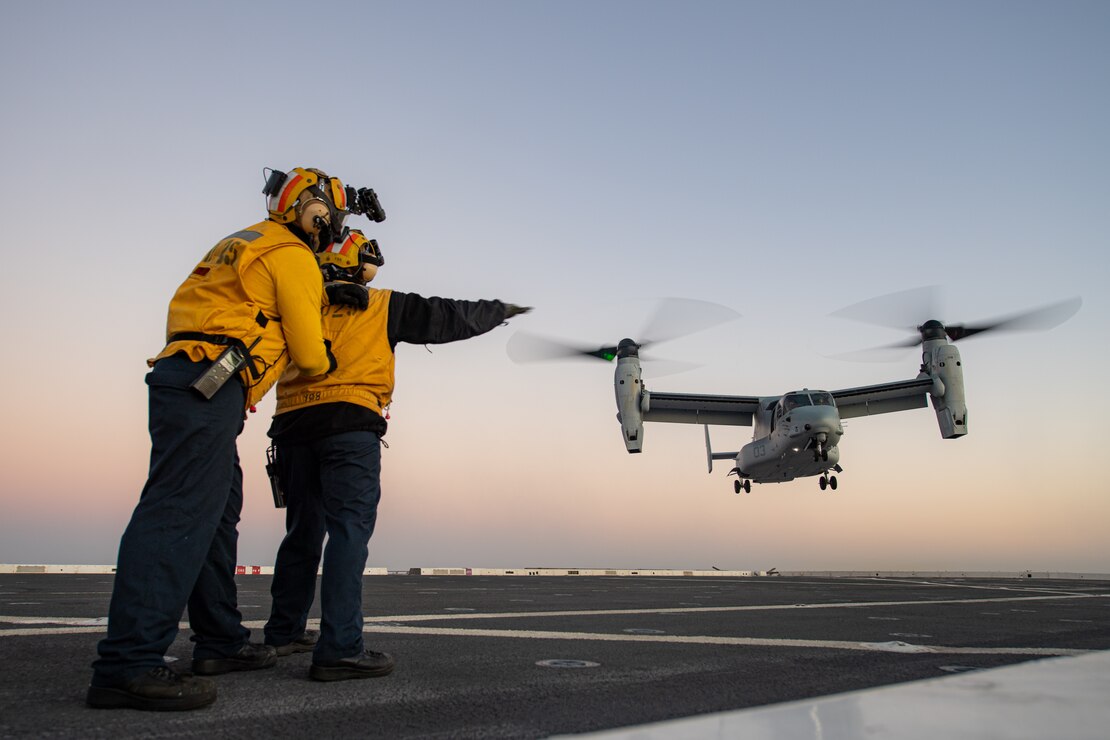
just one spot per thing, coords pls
(230, 362)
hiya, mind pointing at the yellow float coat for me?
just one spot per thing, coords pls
(262, 286)
(364, 375)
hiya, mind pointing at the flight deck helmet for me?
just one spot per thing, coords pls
(307, 200)
(344, 259)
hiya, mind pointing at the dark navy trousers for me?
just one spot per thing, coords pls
(332, 486)
(179, 548)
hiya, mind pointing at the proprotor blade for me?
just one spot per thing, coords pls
(1038, 319)
(673, 318)
(678, 317)
(896, 309)
(525, 347)
(905, 309)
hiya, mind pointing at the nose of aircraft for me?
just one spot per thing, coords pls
(814, 419)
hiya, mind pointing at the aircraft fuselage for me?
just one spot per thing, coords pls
(793, 441)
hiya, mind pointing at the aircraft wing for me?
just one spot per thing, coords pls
(691, 408)
(883, 398)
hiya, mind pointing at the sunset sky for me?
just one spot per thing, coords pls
(585, 158)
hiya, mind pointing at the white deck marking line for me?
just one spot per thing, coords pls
(85, 621)
(33, 631)
(1016, 589)
(73, 626)
(79, 625)
(699, 609)
(624, 637)
(72, 621)
(711, 640)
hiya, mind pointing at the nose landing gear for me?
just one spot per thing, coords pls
(746, 485)
(827, 482)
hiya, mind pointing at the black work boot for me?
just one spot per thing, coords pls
(302, 644)
(159, 689)
(367, 665)
(251, 656)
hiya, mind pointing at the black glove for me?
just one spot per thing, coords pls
(347, 294)
(332, 362)
(511, 310)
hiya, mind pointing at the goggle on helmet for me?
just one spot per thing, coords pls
(285, 191)
(350, 253)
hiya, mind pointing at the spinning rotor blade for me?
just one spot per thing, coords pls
(678, 317)
(672, 318)
(525, 347)
(1038, 319)
(902, 310)
(891, 311)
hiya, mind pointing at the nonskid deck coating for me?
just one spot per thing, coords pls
(504, 656)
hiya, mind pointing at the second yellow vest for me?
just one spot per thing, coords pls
(365, 372)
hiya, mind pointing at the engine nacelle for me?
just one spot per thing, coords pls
(941, 361)
(629, 389)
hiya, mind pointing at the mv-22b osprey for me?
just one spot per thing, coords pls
(797, 434)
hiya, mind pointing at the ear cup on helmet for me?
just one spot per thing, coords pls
(308, 211)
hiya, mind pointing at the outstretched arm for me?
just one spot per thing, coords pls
(419, 320)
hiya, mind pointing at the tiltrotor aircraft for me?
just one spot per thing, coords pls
(796, 434)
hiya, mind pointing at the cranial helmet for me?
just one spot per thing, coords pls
(344, 259)
(309, 200)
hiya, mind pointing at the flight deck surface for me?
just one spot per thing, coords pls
(519, 656)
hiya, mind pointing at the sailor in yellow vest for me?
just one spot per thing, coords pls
(251, 306)
(327, 435)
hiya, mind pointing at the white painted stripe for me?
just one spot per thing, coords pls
(72, 621)
(35, 631)
(387, 624)
(616, 612)
(707, 609)
(981, 587)
(376, 627)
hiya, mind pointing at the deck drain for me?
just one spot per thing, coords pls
(643, 631)
(566, 663)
